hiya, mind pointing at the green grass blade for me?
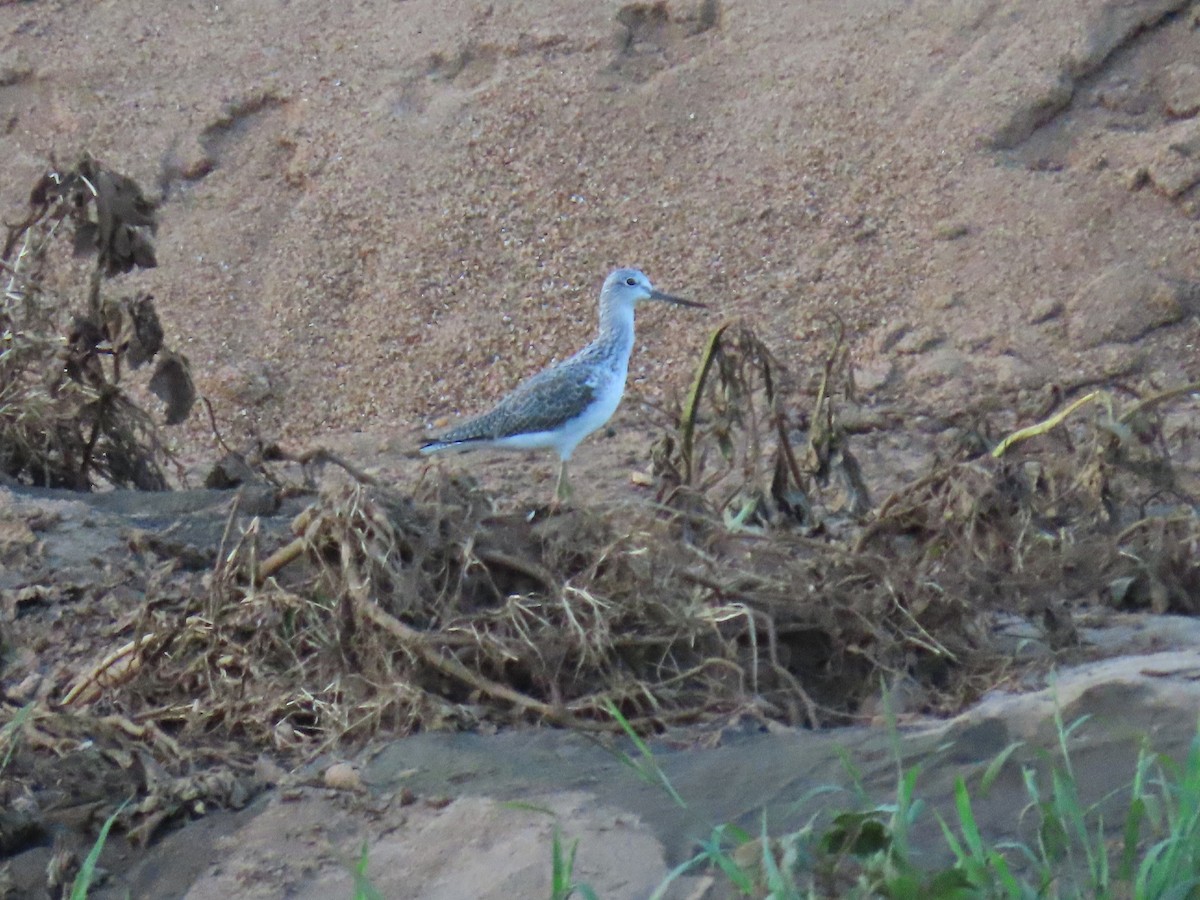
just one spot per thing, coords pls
(648, 769)
(781, 885)
(1131, 835)
(853, 774)
(714, 853)
(992, 772)
(908, 808)
(733, 872)
(1008, 881)
(562, 871)
(679, 871)
(561, 865)
(10, 734)
(83, 881)
(952, 842)
(966, 821)
(363, 889)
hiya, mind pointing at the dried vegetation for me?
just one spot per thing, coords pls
(66, 419)
(760, 582)
(763, 580)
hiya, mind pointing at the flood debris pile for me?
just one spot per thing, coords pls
(66, 416)
(1096, 503)
(758, 585)
(762, 581)
(743, 455)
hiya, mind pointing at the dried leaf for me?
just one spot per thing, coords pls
(172, 383)
(82, 355)
(124, 219)
(147, 337)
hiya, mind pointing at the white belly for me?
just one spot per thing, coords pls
(566, 438)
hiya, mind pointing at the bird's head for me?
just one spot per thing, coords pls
(631, 286)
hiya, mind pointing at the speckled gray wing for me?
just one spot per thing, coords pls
(542, 403)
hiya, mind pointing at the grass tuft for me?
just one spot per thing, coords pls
(1069, 853)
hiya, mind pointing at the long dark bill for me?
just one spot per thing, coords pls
(678, 301)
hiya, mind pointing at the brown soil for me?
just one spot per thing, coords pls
(380, 216)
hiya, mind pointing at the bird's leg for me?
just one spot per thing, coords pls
(562, 490)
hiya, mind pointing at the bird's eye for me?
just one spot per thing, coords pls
(631, 281)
